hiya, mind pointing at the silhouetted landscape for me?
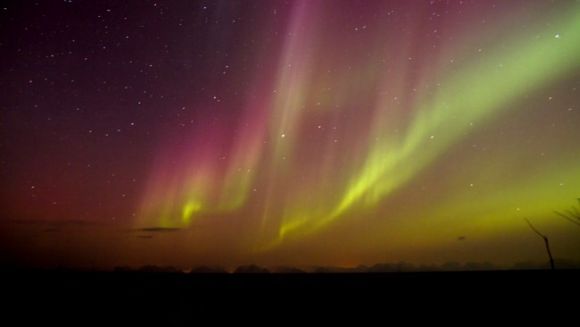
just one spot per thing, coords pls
(164, 296)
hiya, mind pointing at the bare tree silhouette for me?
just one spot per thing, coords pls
(546, 242)
(572, 215)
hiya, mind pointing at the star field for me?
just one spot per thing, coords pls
(287, 132)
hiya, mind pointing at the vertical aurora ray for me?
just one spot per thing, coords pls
(337, 131)
(287, 107)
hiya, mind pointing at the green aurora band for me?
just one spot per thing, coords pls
(392, 149)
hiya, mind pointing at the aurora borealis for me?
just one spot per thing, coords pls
(288, 132)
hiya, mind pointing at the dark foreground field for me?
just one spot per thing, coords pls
(168, 299)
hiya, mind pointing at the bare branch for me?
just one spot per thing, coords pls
(534, 228)
(546, 243)
(566, 217)
(571, 213)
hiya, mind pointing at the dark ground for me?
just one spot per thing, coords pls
(170, 299)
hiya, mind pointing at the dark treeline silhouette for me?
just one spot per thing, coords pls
(377, 268)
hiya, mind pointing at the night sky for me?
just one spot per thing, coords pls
(287, 132)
